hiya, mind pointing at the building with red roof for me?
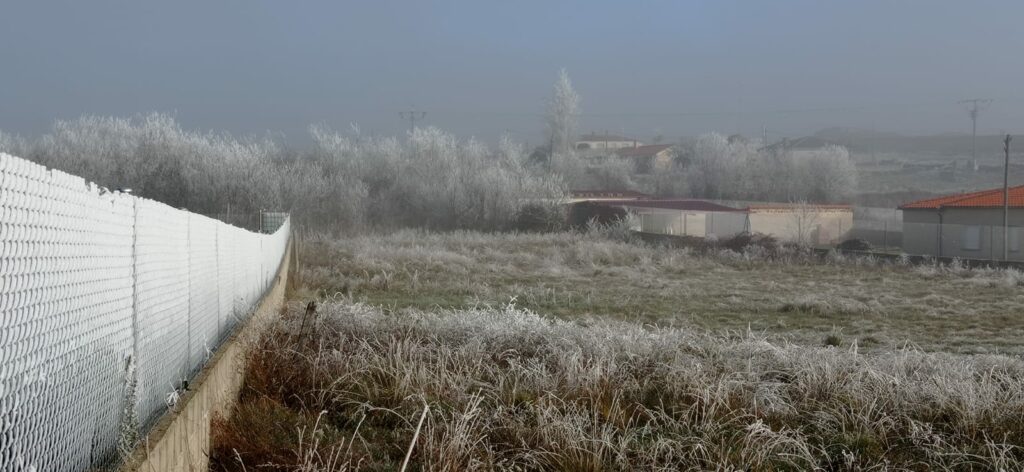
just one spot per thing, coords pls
(966, 225)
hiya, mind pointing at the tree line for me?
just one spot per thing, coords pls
(351, 181)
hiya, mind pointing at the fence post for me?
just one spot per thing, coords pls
(135, 301)
(188, 292)
(216, 255)
(885, 236)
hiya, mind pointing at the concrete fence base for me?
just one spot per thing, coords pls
(180, 441)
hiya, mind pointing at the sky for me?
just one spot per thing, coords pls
(483, 68)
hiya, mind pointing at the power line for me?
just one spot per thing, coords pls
(976, 105)
(412, 116)
(1006, 197)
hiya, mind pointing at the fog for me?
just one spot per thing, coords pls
(485, 68)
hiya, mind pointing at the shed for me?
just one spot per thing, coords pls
(967, 225)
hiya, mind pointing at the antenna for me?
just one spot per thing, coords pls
(975, 106)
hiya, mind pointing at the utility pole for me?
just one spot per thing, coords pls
(976, 105)
(1006, 197)
(412, 116)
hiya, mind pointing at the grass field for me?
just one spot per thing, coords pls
(578, 352)
(577, 277)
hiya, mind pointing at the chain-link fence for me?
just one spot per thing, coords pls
(108, 303)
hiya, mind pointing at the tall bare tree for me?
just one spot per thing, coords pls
(805, 219)
(562, 113)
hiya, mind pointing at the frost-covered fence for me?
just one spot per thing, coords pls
(108, 303)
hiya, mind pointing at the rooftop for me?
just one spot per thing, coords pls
(796, 206)
(984, 199)
(607, 194)
(604, 137)
(672, 204)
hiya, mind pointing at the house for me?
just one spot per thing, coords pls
(966, 225)
(604, 142)
(649, 158)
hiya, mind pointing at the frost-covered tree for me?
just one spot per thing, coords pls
(735, 169)
(11, 144)
(828, 174)
(437, 181)
(346, 182)
(715, 167)
(562, 114)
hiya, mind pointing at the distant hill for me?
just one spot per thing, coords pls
(838, 133)
(946, 144)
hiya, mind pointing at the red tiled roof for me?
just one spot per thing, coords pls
(642, 151)
(671, 204)
(984, 199)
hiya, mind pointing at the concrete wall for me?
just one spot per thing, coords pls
(822, 227)
(690, 223)
(923, 234)
(180, 441)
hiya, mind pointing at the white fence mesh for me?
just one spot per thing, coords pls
(91, 281)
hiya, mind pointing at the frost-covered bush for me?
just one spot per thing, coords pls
(539, 218)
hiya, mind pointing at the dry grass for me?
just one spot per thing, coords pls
(511, 390)
(581, 277)
(620, 356)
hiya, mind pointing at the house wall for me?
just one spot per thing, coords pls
(725, 225)
(824, 227)
(690, 223)
(974, 233)
(663, 161)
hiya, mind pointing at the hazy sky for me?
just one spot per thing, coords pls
(485, 67)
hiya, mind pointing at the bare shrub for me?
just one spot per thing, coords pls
(539, 218)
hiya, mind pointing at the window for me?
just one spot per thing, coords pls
(1013, 238)
(971, 239)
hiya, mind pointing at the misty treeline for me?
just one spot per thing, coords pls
(350, 181)
(344, 182)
